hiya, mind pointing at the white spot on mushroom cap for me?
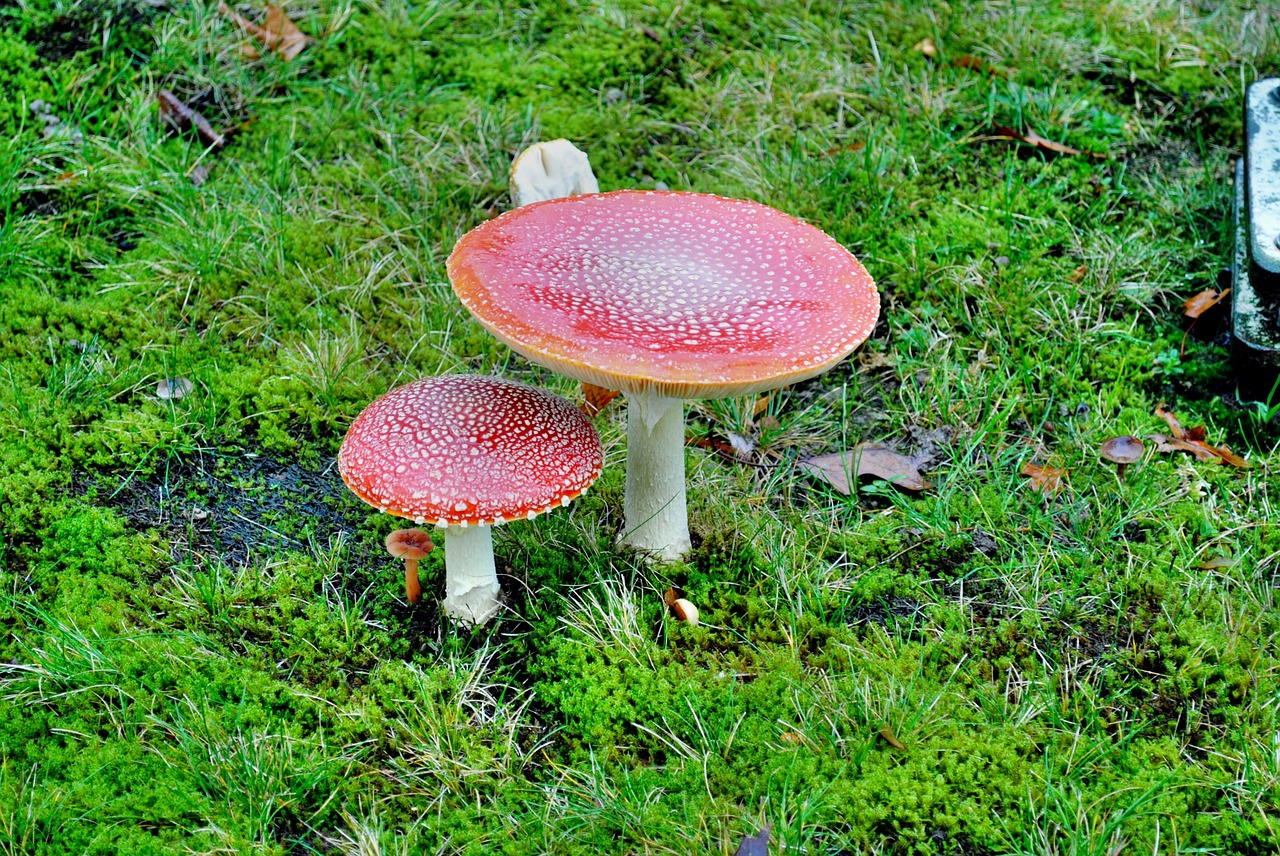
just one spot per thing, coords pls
(494, 450)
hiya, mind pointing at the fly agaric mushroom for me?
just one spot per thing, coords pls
(1122, 451)
(550, 170)
(466, 453)
(666, 296)
(410, 545)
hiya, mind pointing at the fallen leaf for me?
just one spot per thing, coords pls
(1078, 274)
(872, 360)
(1230, 457)
(926, 47)
(1031, 138)
(597, 398)
(973, 63)
(285, 37)
(199, 174)
(755, 845)
(183, 118)
(1216, 563)
(1166, 444)
(1175, 427)
(791, 738)
(279, 34)
(720, 447)
(1193, 440)
(245, 24)
(173, 388)
(857, 146)
(886, 734)
(867, 459)
(1047, 480)
(1195, 306)
(671, 595)
(761, 405)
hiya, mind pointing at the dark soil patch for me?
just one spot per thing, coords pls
(237, 506)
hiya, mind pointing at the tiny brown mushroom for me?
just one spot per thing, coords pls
(1123, 451)
(410, 545)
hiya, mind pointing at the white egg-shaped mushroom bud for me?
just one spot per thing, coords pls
(550, 170)
(467, 452)
(665, 296)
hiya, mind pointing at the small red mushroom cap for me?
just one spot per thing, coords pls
(468, 450)
(683, 294)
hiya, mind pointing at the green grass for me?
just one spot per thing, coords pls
(205, 649)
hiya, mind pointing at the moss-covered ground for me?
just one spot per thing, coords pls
(206, 650)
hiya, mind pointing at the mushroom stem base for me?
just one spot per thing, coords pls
(657, 517)
(471, 581)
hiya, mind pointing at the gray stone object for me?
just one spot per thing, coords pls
(1255, 291)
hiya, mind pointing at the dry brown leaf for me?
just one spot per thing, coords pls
(1175, 427)
(1203, 451)
(872, 360)
(1047, 480)
(1216, 563)
(1201, 303)
(761, 405)
(887, 735)
(671, 595)
(867, 459)
(597, 398)
(285, 37)
(1229, 457)
(1078, 274)
(279, 33)
(926, 47)
(791, 738)
(245, 24)
(183, 118)
(856, 146)
(723, 448)
(974, 63)
(1031, 138)
(1193, 440)
(1166, 444)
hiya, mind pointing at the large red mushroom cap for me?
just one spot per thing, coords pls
(469, 450)
(686, 295)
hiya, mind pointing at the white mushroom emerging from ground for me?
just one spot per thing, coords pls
(466, 453)
(551, 170)
(666, 296)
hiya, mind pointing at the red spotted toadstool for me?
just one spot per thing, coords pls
(666, 296)
(467, 452)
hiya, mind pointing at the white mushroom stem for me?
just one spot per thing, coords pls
(657, 517)
(471, 580)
